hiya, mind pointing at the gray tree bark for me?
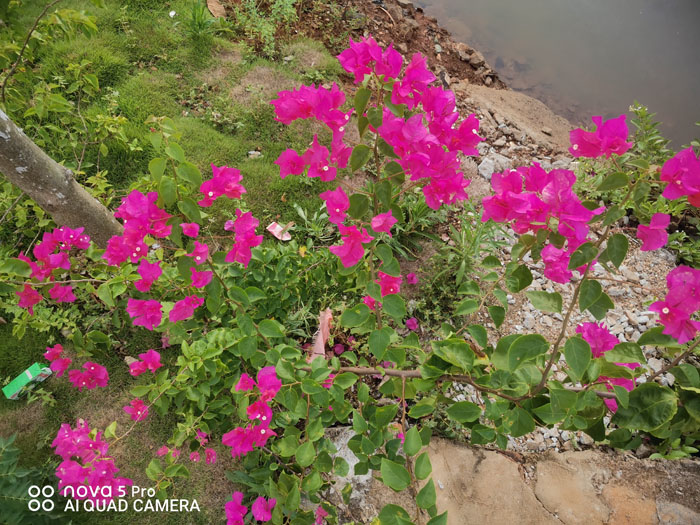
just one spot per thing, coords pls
(52, 186)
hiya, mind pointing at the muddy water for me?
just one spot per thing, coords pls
(589, 57)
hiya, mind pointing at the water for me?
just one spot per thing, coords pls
(590, 57)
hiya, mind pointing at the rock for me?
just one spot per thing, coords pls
(396, 12)
(404, 3)
(288, 58)
(438, 49)
(464, 51)
(670, 513)
(254, 154)
(402, 47)
(488, 81)
(547, 131)
(500, 142)
(529, 321)
(655, 364)
(487, 168)
(477, 59)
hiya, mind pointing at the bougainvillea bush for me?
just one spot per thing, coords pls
(224, 303)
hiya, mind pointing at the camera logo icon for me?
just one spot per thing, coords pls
(46, 503)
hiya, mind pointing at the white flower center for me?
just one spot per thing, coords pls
(325, 168)
(211, 193)
(198, 258)
(138, 248)
(665, 310)
(474, 131)
(341, 129)
(262, 431)
(263, 418)
(337, 210)
(575, 147)
(347, 117)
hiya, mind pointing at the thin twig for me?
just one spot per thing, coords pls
(24, 47)
(675, 361)
(11, 207)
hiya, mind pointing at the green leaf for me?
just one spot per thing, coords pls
(174, 151)
(423, 408)
(154, 469)
(625, 353)
(427, 497)
(479, 334)
(498, 314)
(464, 412)
(386, 149)
(16, 267)
(456, 352)
(394, 475)
(650, 406)
(190, 173)
(167, 191)
(361, 100)
(525, 348)
(638, 163)
(601, 306)
(104, 292)
(362, 125)
(345, 380)
(375, 117)
(359, 204)
(412, 442)
(590, 292)
(110, 431)
(359, 156)
(423, 467)
(355, 316)
(394, 515)
(378, 342)
(519, 279)
(583, 255)
(157, 167)
(481, 434)
(519, 422)
(616, 249)
(305, 454)
(577, 353)
(656, 337)
(270, 328)
(440, 519)
(614, 181)
(622, 395)
(545, 302)
(467, 306)
(395, 306)
(190, 209)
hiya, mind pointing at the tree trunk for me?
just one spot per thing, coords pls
(52, 186)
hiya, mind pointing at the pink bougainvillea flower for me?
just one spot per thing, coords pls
(240, 441)
(245, 383)
(320, 515)
(556, 264)
(654, 236)
(290, 163)
(149, 272)
(235, 510)
(200, 253)
(260, 410)
(225, 181)
(360, 56)
(262, 508)
(184, 308)
(351, 251)
(244, 237)
(62, 294)
(681, 301)
(608, 138)
(194, 457)
(268, 383)
(151, 359)
(162, 451)
(338, 349)
(53, 353)
(97, 374)
(383, 222)
(137, 368)
(317, 158)
(417, 77)
(28, 297)
(146, 313)
(682, 173)
(337, 203)
(80, 380)
(388, 284)
(411, 278)
(191, 229)
(371, 303)
(209, 456)
(200, 279)
(202, 437)
(598, 337)
(137, 409)
(60, 365)
(328, 382)
(412, 324)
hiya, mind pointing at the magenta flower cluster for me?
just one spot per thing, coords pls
(52, 254)
(86, 463)
(601, 340)
(236, 511)
(243, 439)
(92, 375)
(680, 303)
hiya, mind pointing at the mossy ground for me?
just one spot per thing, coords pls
(153, 68)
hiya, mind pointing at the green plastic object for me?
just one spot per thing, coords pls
(26, 381)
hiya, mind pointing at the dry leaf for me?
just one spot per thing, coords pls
(318, 349)
(216, 9)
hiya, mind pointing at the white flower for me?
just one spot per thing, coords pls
(172, 14)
